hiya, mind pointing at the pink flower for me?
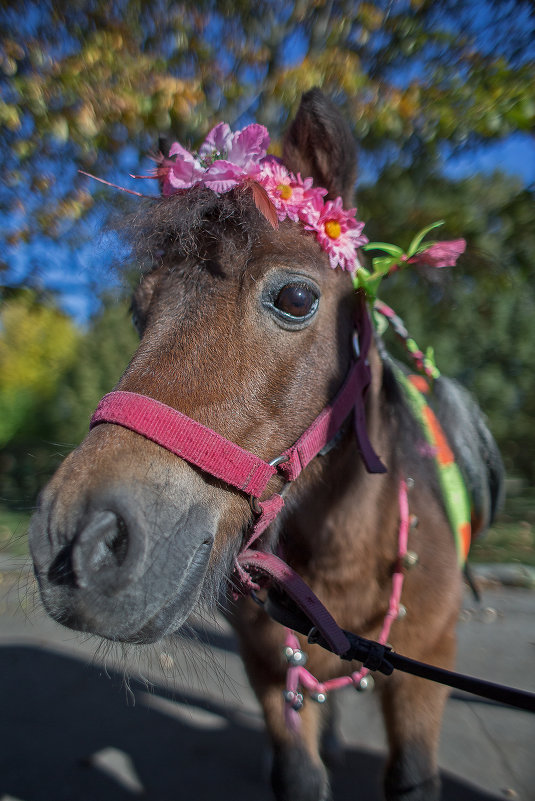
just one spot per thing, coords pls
(225, 160)
(244, 151)
(441, 254)
(182, 173)
(311, 193)
(249, 145)
(216, 144)
(338, 231)
(286, 191)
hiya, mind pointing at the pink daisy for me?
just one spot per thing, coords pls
(337, 230)
(285, 190)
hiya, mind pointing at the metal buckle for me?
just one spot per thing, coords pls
(254, 502)
(356, 345)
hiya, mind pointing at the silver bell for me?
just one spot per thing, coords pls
(318, 697)
(410, 559)
(294, 699)
(295, 657)
(366, 683)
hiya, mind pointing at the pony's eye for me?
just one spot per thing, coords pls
(296, 300)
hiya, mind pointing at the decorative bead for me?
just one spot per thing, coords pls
(402, 612)
(295, 657)
(319, 698)
(410, 559)
(366, 683)
(410, 483)
(413, 521)
(294, 699)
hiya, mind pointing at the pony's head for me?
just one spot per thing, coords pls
(246, 328)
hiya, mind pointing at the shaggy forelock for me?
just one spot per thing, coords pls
(194, 224)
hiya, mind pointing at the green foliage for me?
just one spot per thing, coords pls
(102, 356)
(13, 532)
(79, 82)
(62, 400)
(37, 344)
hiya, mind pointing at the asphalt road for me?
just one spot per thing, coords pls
(185, 724)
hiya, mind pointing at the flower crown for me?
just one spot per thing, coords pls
(227, 160)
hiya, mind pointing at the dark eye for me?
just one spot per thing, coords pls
(296, 300)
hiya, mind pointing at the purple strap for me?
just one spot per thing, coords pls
(298, 591)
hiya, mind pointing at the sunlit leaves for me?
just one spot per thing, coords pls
(37, 344)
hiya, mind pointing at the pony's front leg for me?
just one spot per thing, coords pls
(413, 710)
(298, 772)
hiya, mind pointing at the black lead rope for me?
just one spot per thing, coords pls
(375, 656)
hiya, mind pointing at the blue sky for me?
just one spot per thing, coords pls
(515, 155)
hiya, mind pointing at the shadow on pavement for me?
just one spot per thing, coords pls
(68, 733)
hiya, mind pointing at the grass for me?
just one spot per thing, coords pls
(13, 531)
(512, 537)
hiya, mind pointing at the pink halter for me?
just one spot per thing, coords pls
(223, 459)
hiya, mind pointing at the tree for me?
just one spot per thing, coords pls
(92, 85)
(37, 344)
(478, 316)
(102, 356)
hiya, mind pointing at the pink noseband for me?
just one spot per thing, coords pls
(223, 459)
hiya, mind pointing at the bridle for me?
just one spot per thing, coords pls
(219, 457)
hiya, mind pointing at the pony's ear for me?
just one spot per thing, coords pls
(319, 144)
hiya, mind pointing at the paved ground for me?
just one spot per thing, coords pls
(185, 725)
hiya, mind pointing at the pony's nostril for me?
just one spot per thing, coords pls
(101, 551)
(116, 542)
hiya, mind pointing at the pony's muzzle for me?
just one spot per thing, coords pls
(127, 565)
